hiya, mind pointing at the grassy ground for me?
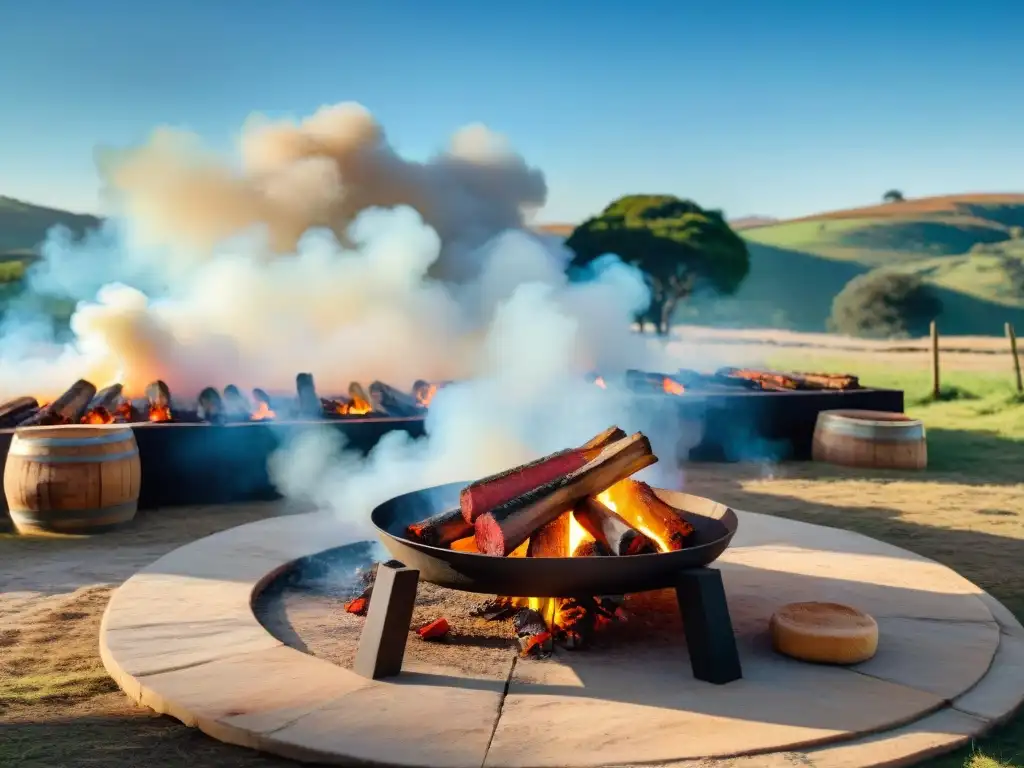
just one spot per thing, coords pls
(58, 708)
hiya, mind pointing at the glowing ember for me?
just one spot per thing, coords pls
(124, 411)
(426, 394)
(599, 381)
(357, 407)
(98, 415)
(672, 387)
(606, 499)
(263, 412)
(160, 413)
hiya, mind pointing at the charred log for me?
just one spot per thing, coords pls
(393, 402)
(591, 548)
(107, 398)
(211, 406)
(360, 402)
(14, 412)
(505, 527)
(532, 634)
(66, 409)
(611, 530)
(638, 504)
(424, 391)
(309, 402)
(498, 609)
(159, 396)
(236, 406)
(441, 529)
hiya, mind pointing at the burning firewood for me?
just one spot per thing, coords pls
(484, 495)
(235, 404)
(607, 527)
(211, 407)
(498, 609)
(159, 397)
(393, 402)
(637, 504)
(66, 409)
(441, 529)
(776, 380)
(102, 408)
(435, 630)
(532, 634)
(591, 548)
(14, 412)
(552, 540)
(309, 402)
(505, 527)
(125, 411)
(841, 381)
(424, 391)
(264, 409)
(359, 402)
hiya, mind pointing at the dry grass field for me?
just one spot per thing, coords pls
(58, 708)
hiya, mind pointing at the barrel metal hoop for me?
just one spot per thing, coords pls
(83, 459)
(73, 442)
(877, 431)
(56, 517)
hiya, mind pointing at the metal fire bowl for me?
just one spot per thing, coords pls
(714, 526)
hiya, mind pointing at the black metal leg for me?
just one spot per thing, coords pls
(382, 644)
(708, 626)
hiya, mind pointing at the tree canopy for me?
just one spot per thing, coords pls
(893, 196)
(675, 243)
(882, 304)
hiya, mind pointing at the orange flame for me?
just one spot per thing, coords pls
(124, 411)
(599, 381)
(98, 415)
(357, 407)
(160, 413)
(672, 387)
(424, 396)
(263, 412)
(606, 499)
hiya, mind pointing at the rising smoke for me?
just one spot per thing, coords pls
(323, 250)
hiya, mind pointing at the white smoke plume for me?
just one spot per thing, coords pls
(323, 250)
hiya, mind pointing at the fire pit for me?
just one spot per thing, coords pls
(221, 442)
(528, 529)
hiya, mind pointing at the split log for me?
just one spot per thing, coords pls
(637, 504)
(484, 495)
(15, 411)
(211, 407)
(393, 402)
(309, 403)
(505, 527)
(591, 548)
(611, 530)
(552, 540)
(235, 403)
(66, 409)
(441, 529)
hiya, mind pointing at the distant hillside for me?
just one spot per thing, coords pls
(748, 222)
(23, 226)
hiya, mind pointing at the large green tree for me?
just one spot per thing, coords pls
(675, 243)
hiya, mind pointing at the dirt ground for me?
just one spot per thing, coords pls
(58, 708)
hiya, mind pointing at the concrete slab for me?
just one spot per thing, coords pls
(180, 637)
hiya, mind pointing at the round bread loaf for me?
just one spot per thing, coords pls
(827, 633)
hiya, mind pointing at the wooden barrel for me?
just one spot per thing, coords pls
(72, 479)
(870, 439)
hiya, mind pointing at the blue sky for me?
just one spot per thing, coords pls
(776, 107)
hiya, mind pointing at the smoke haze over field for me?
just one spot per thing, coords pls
(324, 251)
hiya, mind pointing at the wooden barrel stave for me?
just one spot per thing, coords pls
(72, 479)
(870, 439)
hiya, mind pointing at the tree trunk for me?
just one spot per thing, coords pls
(668, 308)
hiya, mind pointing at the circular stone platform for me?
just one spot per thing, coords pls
(181, 637)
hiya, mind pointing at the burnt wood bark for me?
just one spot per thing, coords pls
(158, 394)
(107, 398)
(66, 409)
(15, 411)
(505, 527)
(393, 402)
(442, 529)
(309, 402)
(638, 504)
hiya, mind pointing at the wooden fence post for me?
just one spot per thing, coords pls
(936, 383)
(1012, 337)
